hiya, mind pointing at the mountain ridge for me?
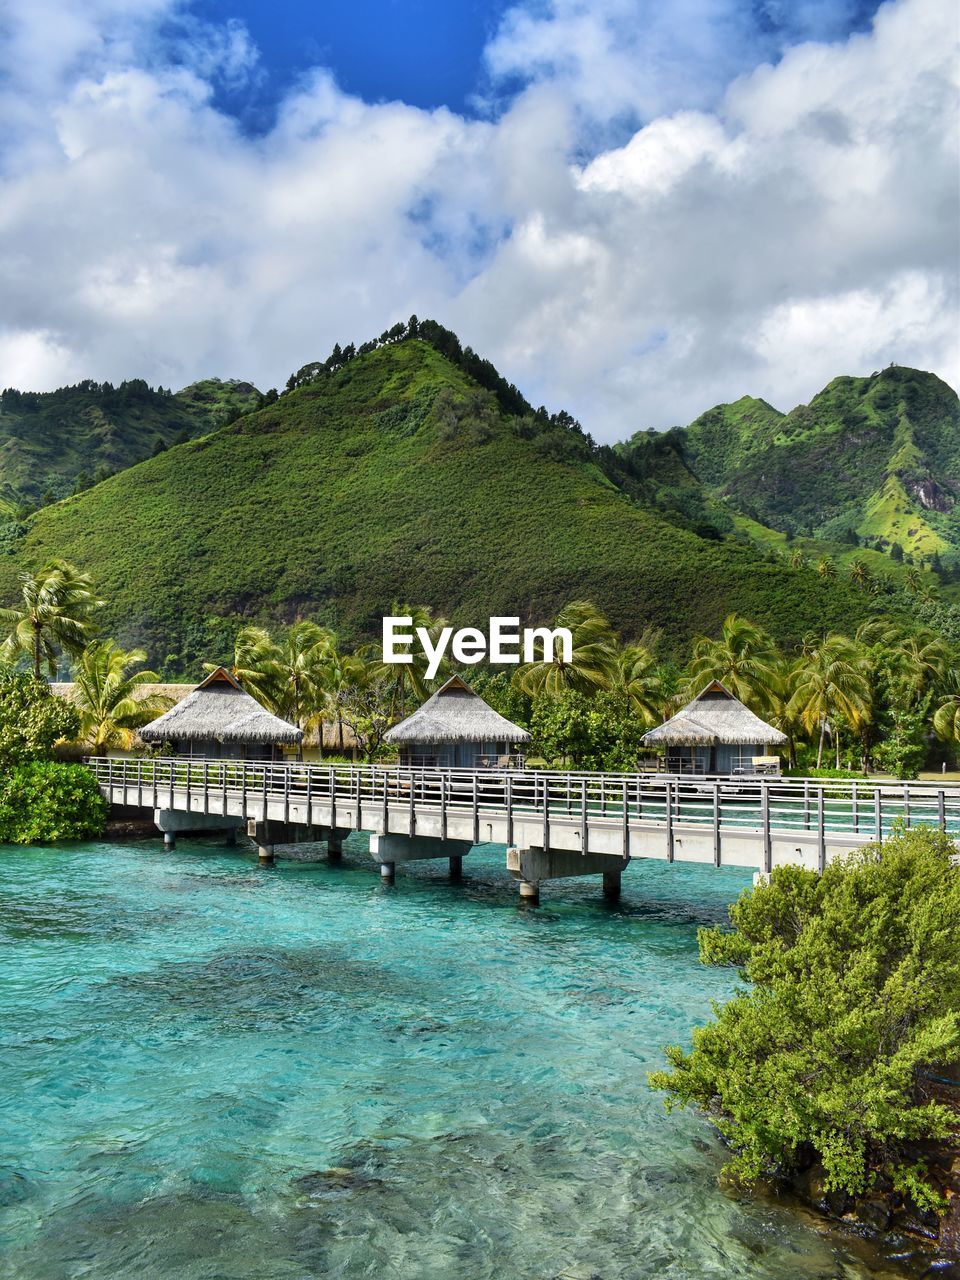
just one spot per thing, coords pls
(397, 476)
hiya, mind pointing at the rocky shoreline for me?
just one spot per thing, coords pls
(923, 1242)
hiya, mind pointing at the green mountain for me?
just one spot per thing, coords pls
(52, 441)
(395, 475)
(871, 460)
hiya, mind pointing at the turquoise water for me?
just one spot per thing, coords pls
(211, 1069)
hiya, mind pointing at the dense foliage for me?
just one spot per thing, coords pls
(40, 799)
(872, 460)
(853, 1004)
(47, 800)
(53, 443)
(396, 474)
(31, 720)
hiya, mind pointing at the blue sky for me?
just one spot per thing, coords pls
(636, 209)
(430, 53)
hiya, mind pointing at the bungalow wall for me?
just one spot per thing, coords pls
(453, 755)
(723, 758)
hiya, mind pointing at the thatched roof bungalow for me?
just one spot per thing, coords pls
(456, 729)
(219, 718)
(715, 733)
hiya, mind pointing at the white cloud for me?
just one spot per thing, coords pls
(904, 323)
(34, 359)
(800, 225)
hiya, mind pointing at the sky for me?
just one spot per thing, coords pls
(635, 209)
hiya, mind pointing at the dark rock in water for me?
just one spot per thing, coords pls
(950, 1228)
(874, 1213)
(15, 1187)
(322, 1183)
(698, 1144)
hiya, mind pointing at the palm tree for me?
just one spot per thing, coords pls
(593, 655)
(946, 718)
(106, 695)
(55, 616)
(256, 665)
(831, 683)
(745, 660)
(303, 655)
(919, 663)
(340, 673)
(798, 560)
(860, 574)
(409, 679)
(286, 675)
(637, 675)
(783, 717)
(826, 568)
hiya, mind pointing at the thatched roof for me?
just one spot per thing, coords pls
(455, 714)
(220, 709)
(714, 716)
(174, 693)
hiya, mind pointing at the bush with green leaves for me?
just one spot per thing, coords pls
(580, 731)
(45, 800)
(31, 719)
(853, 1003)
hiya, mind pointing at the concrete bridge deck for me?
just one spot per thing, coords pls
(553, 823)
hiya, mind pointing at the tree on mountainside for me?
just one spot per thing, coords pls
(55, 616)
(635, 673)
(831, 685)
(826, 568)
(593, 655)
(109, 696)
(287, 676)
(744, 659)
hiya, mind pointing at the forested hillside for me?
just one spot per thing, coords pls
(392, 474)
(53, 443)
(869, 461)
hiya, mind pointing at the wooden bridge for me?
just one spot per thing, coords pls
(554, 824)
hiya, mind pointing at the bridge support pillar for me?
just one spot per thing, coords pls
(456, 868)
(262, 833)
(391, 849)
(530, 866)
(388, 872)
(335, 838)
(530, 893)
(174, 822)
(611, 885)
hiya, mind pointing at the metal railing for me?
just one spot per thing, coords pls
(759, 807)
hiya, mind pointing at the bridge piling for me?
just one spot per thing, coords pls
(531, 866)
(530, 893)
(390, 849)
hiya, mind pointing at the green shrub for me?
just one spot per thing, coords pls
(854, 998)
(43, 800)
(31, 719)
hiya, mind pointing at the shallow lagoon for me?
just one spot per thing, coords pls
(212, 1069)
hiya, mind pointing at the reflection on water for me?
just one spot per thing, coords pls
(216, 1070)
